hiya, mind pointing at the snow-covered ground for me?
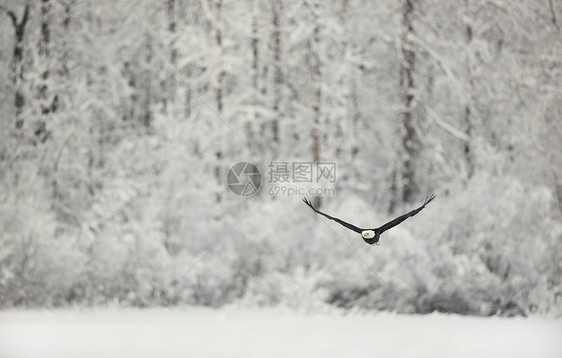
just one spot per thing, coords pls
(269, 333)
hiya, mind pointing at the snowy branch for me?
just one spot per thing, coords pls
(11, 15)
(446, 126)
(553, 14)
(446, 69)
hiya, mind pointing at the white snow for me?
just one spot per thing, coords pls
(197, 332)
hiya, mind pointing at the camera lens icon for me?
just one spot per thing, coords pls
(244, 179)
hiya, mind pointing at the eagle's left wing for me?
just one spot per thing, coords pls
(341, 222)
(399, 219)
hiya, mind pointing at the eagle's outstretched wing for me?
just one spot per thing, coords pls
(399, 219)
(341, 222)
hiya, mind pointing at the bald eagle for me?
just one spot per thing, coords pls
(371, 236)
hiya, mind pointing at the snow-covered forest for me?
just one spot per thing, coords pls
(120, 120)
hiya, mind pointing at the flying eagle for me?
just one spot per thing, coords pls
(371, 236)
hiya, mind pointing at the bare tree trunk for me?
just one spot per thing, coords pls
(276, 8)
(170, 82)
(172, 21)
(63, 73)
(147, 89)
(345, 83)
(16, 66)
(317, 83)
(187, 110)
(45, 30)
(393, 192)
(252, 140)
(356, 116)
(219, 93)
(139, 108)
(218, 38)
(187, 103)
(410, 140)
(66, 27)
(468, 155)
(46, 103)
(553, 14)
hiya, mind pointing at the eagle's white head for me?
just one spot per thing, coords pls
(368, 234)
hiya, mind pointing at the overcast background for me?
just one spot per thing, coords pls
(120, 120)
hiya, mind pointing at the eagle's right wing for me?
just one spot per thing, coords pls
(399, 219)
(341, 222)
